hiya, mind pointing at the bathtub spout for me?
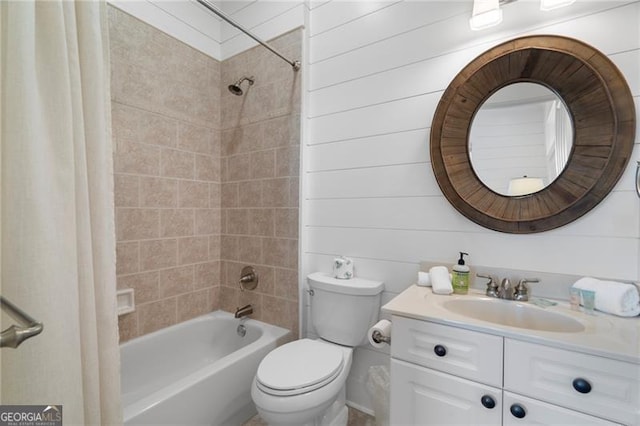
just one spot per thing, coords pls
(244, 311)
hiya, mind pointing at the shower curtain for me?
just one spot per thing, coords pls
(56, 201)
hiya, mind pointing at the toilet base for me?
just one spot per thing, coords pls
(336, 414)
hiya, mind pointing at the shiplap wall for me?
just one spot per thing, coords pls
(193, 24)
(376, 71)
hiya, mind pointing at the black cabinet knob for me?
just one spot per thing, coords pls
(518, 411)
(581, 385)
(487, 401)
(440, 350)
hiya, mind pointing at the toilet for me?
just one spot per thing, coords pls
(303, 382)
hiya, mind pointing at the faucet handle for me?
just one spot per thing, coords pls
(492, 285)
(521, 291)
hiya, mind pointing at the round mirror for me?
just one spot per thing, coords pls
(520, 139)
(602, 119)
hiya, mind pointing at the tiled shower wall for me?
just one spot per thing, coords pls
(165, 119)
(260, 175)
(205, 182)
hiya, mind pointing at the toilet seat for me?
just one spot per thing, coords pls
(299, 367)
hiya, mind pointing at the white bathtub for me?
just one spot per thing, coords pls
(195, 373)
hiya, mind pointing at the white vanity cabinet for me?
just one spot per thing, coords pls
(443, 374)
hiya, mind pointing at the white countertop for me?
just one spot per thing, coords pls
(604, 335)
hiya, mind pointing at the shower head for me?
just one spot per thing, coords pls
(235, 87)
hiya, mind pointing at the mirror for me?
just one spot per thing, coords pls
(602, 116)
(520, 139)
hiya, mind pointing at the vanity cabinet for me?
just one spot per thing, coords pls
(443, 374)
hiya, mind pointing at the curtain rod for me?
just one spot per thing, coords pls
(214, 9)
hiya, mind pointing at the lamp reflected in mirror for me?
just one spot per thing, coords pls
(524, 186)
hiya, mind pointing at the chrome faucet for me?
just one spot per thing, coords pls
(244, 311)
(492, 285)
(521, 291)
(505, 291)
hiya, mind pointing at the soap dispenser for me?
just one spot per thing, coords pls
(460, 276)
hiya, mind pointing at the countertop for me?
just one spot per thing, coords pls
(604, 335)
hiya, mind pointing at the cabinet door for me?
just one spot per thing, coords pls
(421, 396)
(535, 412)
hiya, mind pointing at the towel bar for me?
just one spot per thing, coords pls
(14, 335)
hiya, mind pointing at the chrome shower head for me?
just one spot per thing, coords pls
(235, 87)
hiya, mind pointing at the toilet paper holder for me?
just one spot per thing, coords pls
(380, 338)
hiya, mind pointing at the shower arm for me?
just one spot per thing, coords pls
(212, 8)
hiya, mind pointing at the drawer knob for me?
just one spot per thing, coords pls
(518, 411)
(440, 350)
(581, 385)
(487, 401)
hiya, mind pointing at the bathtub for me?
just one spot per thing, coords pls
(197, 372)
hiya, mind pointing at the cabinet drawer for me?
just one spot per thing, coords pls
(421, 396)
(610, 388)
(541, 413)
(464, 353)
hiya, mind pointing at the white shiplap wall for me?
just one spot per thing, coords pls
(193, 24)
(376, 71)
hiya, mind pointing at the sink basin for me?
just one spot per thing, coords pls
(513, 314)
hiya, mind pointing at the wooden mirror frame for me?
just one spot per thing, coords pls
(603, 114)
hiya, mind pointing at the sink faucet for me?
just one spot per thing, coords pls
(492, 286)
(521, 291)
(505, 291)
(244, 311)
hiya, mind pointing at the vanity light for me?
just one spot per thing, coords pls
(486, 14)
(524, 186)
(547, 5)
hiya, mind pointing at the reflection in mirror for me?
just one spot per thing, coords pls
(520, 139)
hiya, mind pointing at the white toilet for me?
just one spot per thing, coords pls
(303, 382)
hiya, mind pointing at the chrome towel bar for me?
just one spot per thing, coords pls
(14, 335)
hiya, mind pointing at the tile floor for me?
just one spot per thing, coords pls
(356, 418)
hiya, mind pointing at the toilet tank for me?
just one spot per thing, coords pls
(342, 311)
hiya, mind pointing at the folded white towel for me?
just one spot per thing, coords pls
(440, 280)
(424, 279)
(612, 297)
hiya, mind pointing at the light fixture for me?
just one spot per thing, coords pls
(486, 14)
(547, 5)
(524, 185)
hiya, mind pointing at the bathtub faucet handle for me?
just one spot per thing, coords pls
(248, 278)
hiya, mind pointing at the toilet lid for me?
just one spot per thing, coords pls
(299, 366)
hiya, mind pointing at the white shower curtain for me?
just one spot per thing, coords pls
(56, 199)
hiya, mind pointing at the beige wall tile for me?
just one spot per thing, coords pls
(176, 281)
(146, 286)
(250, 250)
(286, 283)
(207, 274)
(127, 257)
(250, 193)
(193, 250)
(158, 192)
(275, 192)
(215, 196)
(136, 224)
(266, 283)
(208, 168)
(229, 248)
(215, 245)
(156, 315)
(126, 188)
(158, 254)
(208, 221)
(214, 297)
(137, 158)
(229, 195)
(288, 161)
(195, 138)
(192, 305)
(177, 164)
(251, 298)
(232, 273)
(262, 222)
(229, 299)
(193, 194)
(263, 164)
(128, 326)
(237, 221)
(239, 167)
(177, 222)
(286, 223)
